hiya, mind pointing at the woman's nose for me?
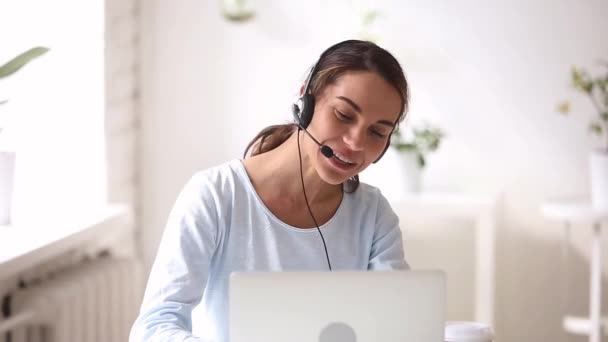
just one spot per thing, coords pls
(355, 139)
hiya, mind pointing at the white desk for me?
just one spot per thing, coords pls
(573, 211)
(481, 210)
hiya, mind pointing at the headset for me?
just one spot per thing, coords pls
(304, 108)
(302, 111)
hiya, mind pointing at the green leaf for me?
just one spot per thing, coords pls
(428, 138)
(18, 62)
(434, 144)
(604, 116)
(421, 161)
(424, 139)
(595, 128)
(563, 107)
(581, 80)
(405, 147)
(602, 84)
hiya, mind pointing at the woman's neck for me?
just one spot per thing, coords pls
(277, 172)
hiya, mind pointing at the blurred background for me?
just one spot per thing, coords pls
(135, 96)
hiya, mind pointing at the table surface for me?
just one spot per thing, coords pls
(573, 210)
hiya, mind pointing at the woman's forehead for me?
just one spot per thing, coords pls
(367, 90)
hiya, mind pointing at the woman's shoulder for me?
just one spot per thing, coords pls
(366, 192)
(221, 177)
(227, 171)
(369, 197)
(223, 170)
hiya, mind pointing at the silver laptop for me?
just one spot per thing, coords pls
(399, 306)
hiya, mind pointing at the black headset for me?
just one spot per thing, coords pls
(304, 107)
(302, 111)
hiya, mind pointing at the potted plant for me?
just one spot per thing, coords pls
(7, 157)
(413, 146)
(595, 88)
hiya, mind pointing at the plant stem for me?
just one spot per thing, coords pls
(605, 147)
(595, 104)
(605, 133)
(602, 122)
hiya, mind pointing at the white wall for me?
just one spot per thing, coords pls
(489, 73)
(121, 107)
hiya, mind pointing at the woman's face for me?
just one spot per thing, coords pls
(354, 116)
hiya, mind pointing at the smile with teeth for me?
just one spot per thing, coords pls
(342, 158)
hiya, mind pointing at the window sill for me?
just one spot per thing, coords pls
(25, 247)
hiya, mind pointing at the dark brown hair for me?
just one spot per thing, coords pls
(349, 55)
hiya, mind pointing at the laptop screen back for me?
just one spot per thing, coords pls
(343, 306)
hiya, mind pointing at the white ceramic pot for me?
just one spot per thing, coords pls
(7, 170)
(411, 172)
(598, 167)
(464, 331)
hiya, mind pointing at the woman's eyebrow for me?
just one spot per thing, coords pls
(385, 123)
(358, 109)
(350, 102)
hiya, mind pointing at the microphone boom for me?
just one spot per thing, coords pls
(325, 150)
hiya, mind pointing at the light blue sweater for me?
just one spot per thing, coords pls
(219, 225)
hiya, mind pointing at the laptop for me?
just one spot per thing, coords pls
(341, 306)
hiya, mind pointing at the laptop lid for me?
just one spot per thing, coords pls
(342, 306)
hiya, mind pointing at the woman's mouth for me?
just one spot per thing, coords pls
(343, 159)
(342, 163)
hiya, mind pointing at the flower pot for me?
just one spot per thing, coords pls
(598, 167)
(7, 170)
(411, 170)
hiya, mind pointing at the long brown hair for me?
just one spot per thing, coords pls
(349, 55)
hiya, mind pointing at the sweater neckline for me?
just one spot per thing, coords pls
(242, 173)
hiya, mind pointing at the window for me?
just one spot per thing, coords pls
(56, 107)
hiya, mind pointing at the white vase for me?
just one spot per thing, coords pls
(7, 170)
(598, 167)
(412, 172)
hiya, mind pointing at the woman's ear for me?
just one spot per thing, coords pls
(302, 90)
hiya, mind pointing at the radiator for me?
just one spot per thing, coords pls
(94, 301)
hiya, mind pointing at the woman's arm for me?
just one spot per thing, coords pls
(387, 246)
(180, 271)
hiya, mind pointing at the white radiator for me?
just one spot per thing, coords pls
(95, 301)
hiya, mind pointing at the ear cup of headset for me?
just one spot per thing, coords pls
(307, 108)
(295, 110)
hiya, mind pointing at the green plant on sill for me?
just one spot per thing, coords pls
(596, 89)
(422, 141)
(19, 62)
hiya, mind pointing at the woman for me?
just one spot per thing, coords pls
(293, 203)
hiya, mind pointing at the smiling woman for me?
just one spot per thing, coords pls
(55, 107)
(293, 203)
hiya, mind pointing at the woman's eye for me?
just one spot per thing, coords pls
(378, 134)
(342, 116)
